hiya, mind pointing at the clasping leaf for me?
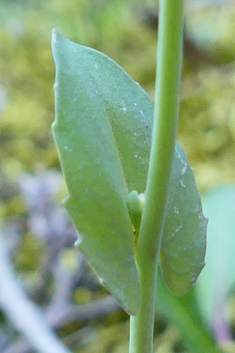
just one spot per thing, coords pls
(103, 133)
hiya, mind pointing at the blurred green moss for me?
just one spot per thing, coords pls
(206, 127)
(28, 70)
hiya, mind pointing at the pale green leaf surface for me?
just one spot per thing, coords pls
(103, 132)
(184, 237)
(95, 124)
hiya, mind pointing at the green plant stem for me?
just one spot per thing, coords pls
(169, 63)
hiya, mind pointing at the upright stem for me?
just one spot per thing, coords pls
(169, 62)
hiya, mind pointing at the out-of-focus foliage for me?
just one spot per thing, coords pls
(117, 29)
(207, 124)
(27, 70)
(212, 31)
(216, 281)
(126, 31)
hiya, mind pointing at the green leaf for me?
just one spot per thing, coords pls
(102, 122)
(184, 235)
(103, 132)
(218, 277)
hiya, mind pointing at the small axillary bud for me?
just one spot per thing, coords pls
(135, 204)
(141, 199)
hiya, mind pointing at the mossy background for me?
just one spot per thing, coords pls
(126, 31)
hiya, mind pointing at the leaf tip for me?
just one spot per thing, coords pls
(55, 39)
(78, 242)
(54, 125)
(55, 35)
(66, 200)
